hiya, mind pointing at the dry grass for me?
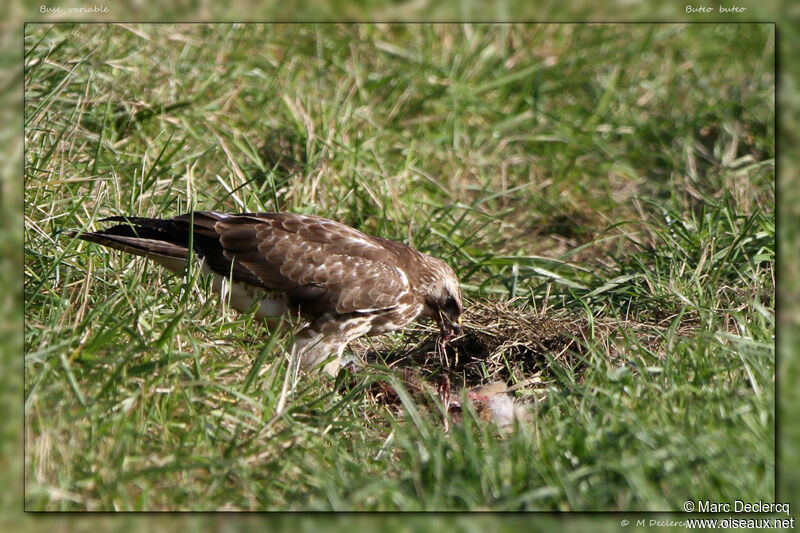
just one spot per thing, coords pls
(508, 342)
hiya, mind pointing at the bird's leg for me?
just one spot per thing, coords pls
(332, 367)
(314, 344)
(304, 342)
(310, 346)
(335, 336)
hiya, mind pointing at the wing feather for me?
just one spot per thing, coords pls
(321, 263)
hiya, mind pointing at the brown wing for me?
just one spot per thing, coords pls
(318, 262)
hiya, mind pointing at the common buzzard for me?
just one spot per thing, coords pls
(344, 283)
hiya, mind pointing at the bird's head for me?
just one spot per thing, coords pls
(443, 300)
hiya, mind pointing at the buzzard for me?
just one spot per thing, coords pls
(344, 283)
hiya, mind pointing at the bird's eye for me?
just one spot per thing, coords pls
(450, 305)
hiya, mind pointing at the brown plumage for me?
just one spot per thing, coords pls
(344, 283)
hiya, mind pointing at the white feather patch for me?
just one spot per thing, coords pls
(242, 296)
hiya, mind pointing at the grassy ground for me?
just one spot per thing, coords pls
(620, 178)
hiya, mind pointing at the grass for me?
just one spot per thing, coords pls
(620, 177)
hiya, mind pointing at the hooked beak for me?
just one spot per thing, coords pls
(450, 329)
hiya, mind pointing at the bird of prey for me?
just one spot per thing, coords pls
(342, 282)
